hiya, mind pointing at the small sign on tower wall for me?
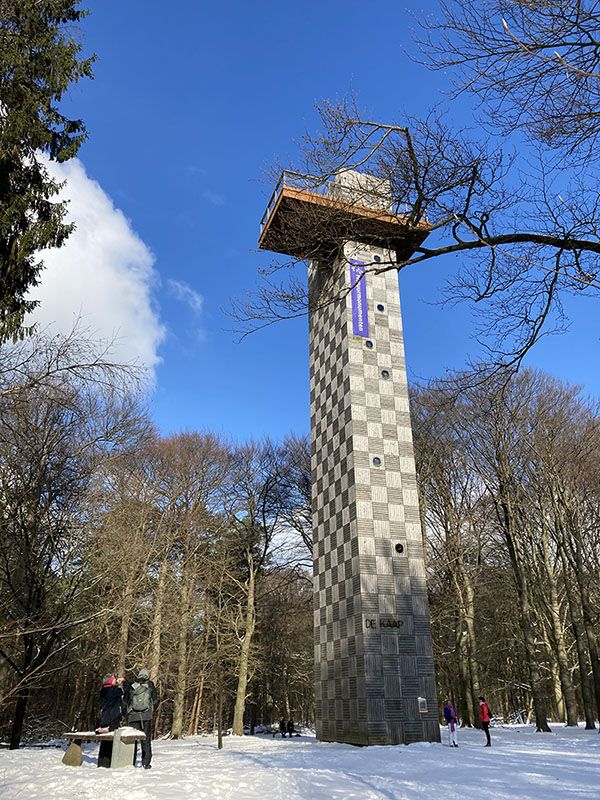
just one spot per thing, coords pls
(358, 294)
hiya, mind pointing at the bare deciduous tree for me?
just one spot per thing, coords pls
(257, 500)
(59, 423)
(509, 474)
(535, 65)
(525, 221)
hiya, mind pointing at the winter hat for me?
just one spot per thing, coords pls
(143, 674)
(109, 679)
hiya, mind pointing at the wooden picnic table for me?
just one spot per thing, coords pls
(123, 740)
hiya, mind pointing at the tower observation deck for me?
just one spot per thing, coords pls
(306, 218)
(374, 671)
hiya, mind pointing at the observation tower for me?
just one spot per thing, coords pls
(374, 672)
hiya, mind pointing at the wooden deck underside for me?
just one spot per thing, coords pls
(307, 225)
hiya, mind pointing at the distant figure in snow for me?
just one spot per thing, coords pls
(484, 718)
(282, 728)
(290, 727)
(141, 699)
(452, 721)
(111, 711)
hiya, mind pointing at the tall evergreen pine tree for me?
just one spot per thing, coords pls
(39, 59)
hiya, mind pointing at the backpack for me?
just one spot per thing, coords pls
(141, 697)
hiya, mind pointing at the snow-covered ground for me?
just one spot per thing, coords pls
(520, 764)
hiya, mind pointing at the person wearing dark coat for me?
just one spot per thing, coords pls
(282, 728)
(111, 711)
(290, 727)
(141, 699)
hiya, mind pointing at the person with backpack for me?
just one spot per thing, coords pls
(484, 718)
(452, 721)
(141, 699)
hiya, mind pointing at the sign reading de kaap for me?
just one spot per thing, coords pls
(384, 622)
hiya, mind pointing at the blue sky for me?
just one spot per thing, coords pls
(190, 100)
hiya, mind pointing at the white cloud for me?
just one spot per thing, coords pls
(195, 170)
(103, 274)
(184, 292)
(213, 198)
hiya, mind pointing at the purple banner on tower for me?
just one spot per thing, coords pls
(358, 294)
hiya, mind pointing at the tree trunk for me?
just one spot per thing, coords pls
(475, 690)
(576, 547)
(181, 681)
(19, 718)
(579, 636)
(463, 696)
(127, 603)
(595, 661)
(558, 634)
(587, 697)
(156, 629)
(539, 701)
(512, 533)
(220, 716)
(560, 711)
(423, 521)
(161, 718)
(6, 679)
(196, 708)
(588, 624)
(199, 706)
(192, 725)
(244, 660)
(287, 712)
(463, 587)
(195, 716)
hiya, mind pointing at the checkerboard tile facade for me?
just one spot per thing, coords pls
(373, 655)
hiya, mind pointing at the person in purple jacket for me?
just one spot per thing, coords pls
(452, 722)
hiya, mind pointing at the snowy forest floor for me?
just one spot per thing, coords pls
(520, 764)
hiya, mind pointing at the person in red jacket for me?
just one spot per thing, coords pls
(484, 718)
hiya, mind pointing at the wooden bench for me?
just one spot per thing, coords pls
(123, 740)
